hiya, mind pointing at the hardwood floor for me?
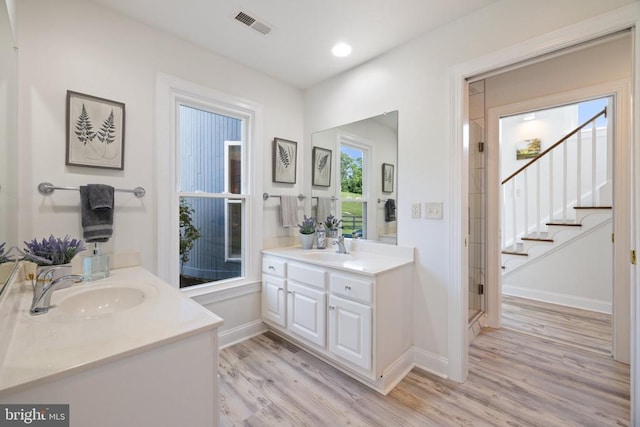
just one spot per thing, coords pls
(515, 380)
(566, 325)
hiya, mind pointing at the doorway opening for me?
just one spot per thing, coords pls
(557, 180)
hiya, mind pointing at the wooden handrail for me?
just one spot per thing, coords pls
(563, 139)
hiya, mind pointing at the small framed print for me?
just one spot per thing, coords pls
(387, 178)
(95, 132)
(321, 171)
(284, 160)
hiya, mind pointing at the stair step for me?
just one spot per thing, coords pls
(535, 237)
(593, 207)
(507, 252)
(565, 223)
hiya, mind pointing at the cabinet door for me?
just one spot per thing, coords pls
(306, 309)
(273, 300)
(350, 331)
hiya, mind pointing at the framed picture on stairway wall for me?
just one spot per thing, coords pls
(531, 151)
(95, 132)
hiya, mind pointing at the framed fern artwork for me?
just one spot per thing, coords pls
(387, 178)
(321, 174)
(284, 160)
(95, 132)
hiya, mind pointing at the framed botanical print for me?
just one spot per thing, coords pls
(284, 160)
(321, 169)
(95, 132)
(387, 178)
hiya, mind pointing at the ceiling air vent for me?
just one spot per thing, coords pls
(254, 23)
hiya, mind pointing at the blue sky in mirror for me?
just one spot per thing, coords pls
(354, 153)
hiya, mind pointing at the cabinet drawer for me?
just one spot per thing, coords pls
(306, 274)
(274, 266)
(355, 289)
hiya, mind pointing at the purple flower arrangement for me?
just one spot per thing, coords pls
(52, 251)
(3, 257)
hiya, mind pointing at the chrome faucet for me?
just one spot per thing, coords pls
(340, 242)
(44, 286)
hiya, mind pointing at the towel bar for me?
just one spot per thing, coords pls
(265, 196)
(48, 188)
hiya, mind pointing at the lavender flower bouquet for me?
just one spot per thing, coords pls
(52, 251)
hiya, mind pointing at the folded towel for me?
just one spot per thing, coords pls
(100, 196)
(289, 211)
(323, 209)
(390, 210)
(97, 223)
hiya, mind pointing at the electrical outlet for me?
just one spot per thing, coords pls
(415, 211)
(433, 210)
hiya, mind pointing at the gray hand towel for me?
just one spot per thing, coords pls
(97, 223)
(289, 211)
(324, 208)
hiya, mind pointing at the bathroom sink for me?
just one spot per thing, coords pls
(100, 301)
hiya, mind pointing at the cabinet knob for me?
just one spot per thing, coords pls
(331, 307)
(271, 267)
(280, 289)
(289, 292)
(347, 288)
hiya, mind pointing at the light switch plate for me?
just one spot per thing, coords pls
(416, 211)
(433, 210)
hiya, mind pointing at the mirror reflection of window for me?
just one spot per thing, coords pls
(353, 190)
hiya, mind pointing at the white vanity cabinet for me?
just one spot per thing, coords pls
(274, 291)
(350, 319)
(294, 297)
(359, 322)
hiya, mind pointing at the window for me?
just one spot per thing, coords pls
(209, 181)
(210, 190)
(353, 188)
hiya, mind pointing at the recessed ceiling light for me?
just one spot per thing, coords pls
(341, 49)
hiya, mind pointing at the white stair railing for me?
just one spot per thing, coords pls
(563, 169)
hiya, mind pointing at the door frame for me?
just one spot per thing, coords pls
(621, 92)
(457, 323)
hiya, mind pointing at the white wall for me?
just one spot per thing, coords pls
(76, 45)
(415, 80)
(578, 274)
(79, 46)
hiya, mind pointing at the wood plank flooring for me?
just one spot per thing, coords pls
(515, 380)
(566, 325)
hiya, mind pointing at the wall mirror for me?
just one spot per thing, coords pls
(354, 177)
(8, 132)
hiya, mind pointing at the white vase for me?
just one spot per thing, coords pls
(306, 240)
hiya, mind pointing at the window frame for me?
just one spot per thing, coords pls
(171, 92)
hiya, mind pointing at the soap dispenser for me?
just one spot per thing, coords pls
(96, 266)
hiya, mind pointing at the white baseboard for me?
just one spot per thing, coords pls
(561, 299)
(397, 371)
(430, 362)
(241, 333)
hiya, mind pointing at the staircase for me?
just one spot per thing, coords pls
(570, 181)
(558, 234)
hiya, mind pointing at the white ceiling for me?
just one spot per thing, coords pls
(298, 50)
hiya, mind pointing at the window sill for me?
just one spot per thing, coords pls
(220, 292)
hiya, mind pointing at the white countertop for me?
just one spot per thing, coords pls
(363, 257)
(56, 344)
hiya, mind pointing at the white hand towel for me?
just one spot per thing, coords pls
(324, 208)
(289, 211)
